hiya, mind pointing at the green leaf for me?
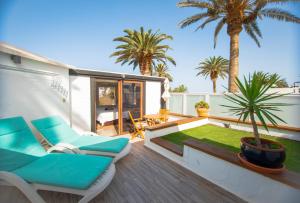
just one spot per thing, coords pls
(254, 100)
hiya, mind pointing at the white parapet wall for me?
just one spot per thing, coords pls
(288, 134)
(161, 132)
(80, 103)
(249, 185)
(172, 129)
(246, 184)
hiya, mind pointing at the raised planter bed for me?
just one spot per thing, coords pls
(223, 167)
(288, 177)
(168, 145)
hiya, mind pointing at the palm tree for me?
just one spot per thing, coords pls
(143, 49)
(237, 15)
(179, 89)
(282, 83)
(268, 77)
(214, 67)
(162, 70)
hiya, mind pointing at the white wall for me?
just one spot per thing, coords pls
(249, 185)
(153, 97)
(164, 131)
(184, 103)
(80, 103)
(32, 94)
(287, 90)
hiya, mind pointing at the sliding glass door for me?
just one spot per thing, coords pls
(132, 101)
(106, 107)
(112, 100)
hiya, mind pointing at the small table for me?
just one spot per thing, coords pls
(151, 118)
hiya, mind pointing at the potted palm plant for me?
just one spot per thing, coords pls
(202, 108)
(255, 103)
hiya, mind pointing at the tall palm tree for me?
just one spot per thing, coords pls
(161, 70)
(214, 67)
(237, 15)
(143, 49)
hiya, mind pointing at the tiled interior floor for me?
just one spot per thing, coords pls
(107, 131)
(111, 130)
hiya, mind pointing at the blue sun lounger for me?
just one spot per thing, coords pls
(58, 134)
(25, 164)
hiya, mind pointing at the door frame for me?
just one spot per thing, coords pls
(120, 107)
(93, 82)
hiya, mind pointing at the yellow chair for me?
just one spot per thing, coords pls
(138, 127)
(164, 113)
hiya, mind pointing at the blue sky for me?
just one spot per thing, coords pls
(80, 33)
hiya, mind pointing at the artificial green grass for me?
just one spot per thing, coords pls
(230, 139)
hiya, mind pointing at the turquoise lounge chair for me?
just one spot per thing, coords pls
(58, 134)
(26, 165)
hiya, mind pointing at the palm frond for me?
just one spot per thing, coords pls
(280, 15)
(209, 20)
(280, 1)
(190, 20)
(249, 30)
(256, 29)
(197, 4)
(219, 27)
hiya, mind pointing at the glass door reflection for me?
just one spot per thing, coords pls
(132, 93)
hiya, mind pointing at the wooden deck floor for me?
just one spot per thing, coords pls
(143, 176)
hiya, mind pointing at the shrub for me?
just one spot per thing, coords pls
(202, 104)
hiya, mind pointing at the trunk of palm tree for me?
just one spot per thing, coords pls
(255, 129)
(141, 66)
(145, 66)
(214, 85)
(148, 66)
(234, 61)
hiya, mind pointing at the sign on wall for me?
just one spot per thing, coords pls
(57, 85)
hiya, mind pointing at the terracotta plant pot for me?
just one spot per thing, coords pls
(202, 112)
(263, 156)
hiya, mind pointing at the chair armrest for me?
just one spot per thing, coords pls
(138, 119)
(89, 133)
(64, 148)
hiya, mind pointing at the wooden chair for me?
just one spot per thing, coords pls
(164, 113)
(138, 127)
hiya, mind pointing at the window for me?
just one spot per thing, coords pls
(107, 96)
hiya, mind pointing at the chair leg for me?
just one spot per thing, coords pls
(133, 135)
(141, 133)
(22, 185)
(143, 136)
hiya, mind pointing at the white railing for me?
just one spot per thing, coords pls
(183, 103)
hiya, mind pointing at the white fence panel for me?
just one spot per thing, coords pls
(184, 103)
(176, 103)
